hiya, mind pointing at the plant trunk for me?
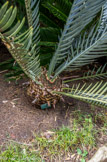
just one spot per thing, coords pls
(43, 93)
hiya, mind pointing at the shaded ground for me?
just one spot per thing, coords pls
(4, 54)
(18, 118)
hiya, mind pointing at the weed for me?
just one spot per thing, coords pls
(82, 154)
(17, 153)
(67, 139)
(79, 137)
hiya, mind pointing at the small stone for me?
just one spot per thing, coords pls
(34, 101)
(5, 101)
(48, 134)
(100, 156)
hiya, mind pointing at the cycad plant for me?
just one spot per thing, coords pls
(77, 47)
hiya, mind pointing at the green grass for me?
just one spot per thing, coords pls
(67, 139)
(82, 134)
(19, 153)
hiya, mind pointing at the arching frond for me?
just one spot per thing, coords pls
(100, 73)
(82, 12)
(93, 93)
(59, 8)
(7, 18)
(32, 9)
(103, 19)
(19, 45)
(46, 21)
(89, 48)
(64, 5)
(49, 36)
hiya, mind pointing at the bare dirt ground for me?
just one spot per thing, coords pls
(19, 118)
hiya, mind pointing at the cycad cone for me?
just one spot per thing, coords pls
(42, 94)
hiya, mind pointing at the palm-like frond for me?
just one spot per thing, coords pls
(81, 14)
(59, 8)
(32, 9)
(46, 21)
(93, 93)
(100, 73)
(64, 5)
(89, 48)
(103, 19)
(7, 18)
(19, 45)
(49, 36)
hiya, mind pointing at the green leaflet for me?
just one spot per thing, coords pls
(32, 10)
(59, 8)
(92, 93)
(47, 21)
(50, 5)
(100, 73)
(81, 14)
(88, 49)
(19, 45)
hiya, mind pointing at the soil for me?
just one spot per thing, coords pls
(19, 118)
(4, 54)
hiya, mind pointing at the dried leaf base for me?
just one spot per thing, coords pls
(42, 94)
